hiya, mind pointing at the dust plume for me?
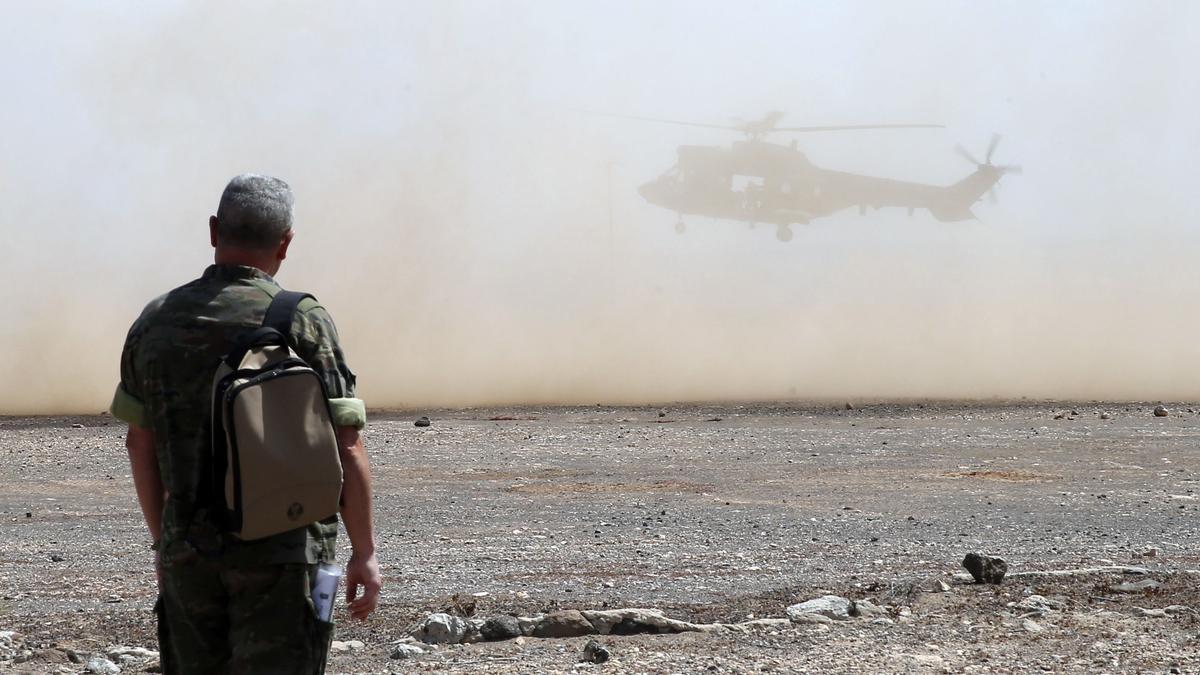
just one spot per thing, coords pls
(479, 238)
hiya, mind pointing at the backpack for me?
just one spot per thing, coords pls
(275, 464)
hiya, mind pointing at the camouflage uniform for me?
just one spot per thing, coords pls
(226, 604)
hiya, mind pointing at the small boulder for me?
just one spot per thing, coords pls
(866, 608)
(1039, 604)
(829, 606)
(442, 629)
(102, 666)
(406, 651)
(985, 569)
(500, 628)
(633, 621)
(1135, 586)
(422, 422)
(594, 652)
(1161, 411)
(563, 624)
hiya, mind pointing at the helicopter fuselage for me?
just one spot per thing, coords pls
(759, 182)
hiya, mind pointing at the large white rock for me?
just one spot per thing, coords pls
(832, 606)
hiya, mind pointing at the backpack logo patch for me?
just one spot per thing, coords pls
(295, 511)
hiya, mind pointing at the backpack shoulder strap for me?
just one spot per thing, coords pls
(282, 308)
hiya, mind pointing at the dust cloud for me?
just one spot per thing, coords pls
(475, 229)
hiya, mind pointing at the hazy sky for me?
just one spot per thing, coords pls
(453, 193)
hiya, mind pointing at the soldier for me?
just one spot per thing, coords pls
(227, 605)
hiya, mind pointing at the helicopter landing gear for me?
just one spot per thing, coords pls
(680, 226)
(784, 233)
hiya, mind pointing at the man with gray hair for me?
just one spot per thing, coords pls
(228, 605)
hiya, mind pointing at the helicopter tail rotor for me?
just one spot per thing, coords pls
(991, 149)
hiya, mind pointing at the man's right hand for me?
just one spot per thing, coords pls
(362, 571)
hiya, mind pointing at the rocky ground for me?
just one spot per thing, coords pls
(713, 514)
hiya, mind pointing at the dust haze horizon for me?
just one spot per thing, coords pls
(467, 208)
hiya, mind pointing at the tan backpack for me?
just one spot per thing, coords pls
(275, 461)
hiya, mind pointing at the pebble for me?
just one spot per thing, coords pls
(1032, 626)
(1161, 411)
(830, 606)
(422, 422)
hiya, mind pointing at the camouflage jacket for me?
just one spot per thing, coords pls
(167, 367)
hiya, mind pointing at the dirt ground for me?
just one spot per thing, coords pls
(712, 513)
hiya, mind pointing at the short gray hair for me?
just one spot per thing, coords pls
(255, 211)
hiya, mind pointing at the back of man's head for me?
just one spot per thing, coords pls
(255, 212)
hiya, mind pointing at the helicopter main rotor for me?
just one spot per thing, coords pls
(757, 129)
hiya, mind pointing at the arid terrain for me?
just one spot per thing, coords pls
(710, 513)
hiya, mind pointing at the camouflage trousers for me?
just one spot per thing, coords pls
(214, 618)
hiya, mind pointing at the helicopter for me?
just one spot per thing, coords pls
(755, 181)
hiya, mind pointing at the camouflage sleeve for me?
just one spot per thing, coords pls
(316, 340)
(128, 400)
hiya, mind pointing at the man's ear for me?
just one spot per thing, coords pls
(281, 253)
(212, 230)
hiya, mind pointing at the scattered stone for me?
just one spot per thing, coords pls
(1152, 613)
(594, 652)
(500, 628)
(528, 623)
(849, 406)
(340, 647)
(422, 422)
(882, 621)
(128, 655)
(77, 426)
(633, 621)
(1135, 586)
(442, 629)
(866, 608)
(1150, 552)
(406, 651)
(809, 618)
(1039, 604)
(1161, 411)
(56, 558)
(1032, 626)
(102, 666)
(932, 661)
(1105, 416)
(1178, 609)
(830, 606)
(563, 624)
(985, 569)
(1059, 416)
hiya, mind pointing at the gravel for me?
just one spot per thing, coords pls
(715, 513)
